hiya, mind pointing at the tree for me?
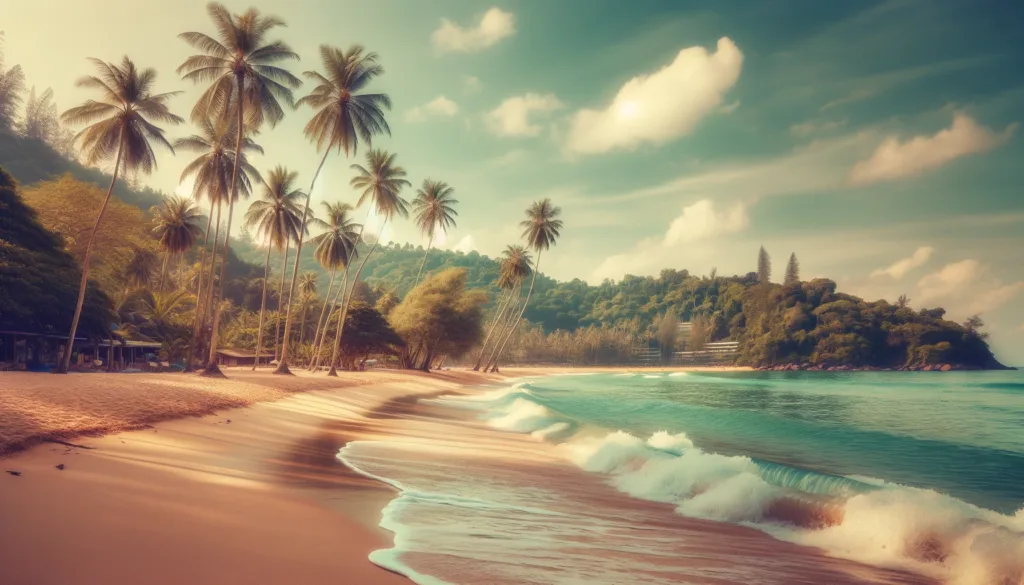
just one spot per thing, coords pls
(176, 227)
(212, 173)
(973, 325)
(441, 317)
(434, 207)
(903, 302)
(244, 82)
(515, 266)
(12, 86)
(138, 272)
(764, 266)
(276, 220)
(43, 123)
(700, 333)
(368, 332)
(541, 229)
(792, 270)
(335, 249)
(307, 292)
(344, 117)
(668, 330)
(381, 182)
(119, 127)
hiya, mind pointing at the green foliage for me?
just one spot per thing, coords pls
(792, 270)
(764, 266)
(368, 332)
(38, 279)
(668, 330)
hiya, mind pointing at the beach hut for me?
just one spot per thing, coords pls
(240, 357)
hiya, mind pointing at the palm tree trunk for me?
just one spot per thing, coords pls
(497, 319)
(302, 327)
(282, 366)
(348, 301)
(65, 361)
(163, 270)
(211, 365)
(504, 327)
(263, 307)
(533, 281)
(320, 321)
(339, 294)
(199, 293)
(424, 261)
(208, 310)
(281, 301)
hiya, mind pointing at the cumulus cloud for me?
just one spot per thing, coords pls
(512, 117)
(660, 106)
(900, 267)
(439, 107)
(494, 25)
(994, 298)
(701, 220)
(466, 245)
(894, 159)
(948, 280)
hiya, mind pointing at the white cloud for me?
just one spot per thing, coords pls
(994, 298)
(466, 245)
(899, 268)
(730, 108)
(657, 107)
(439, 107)
(494, 25)
(472, 83)
(812, 127)
(700, 221)
(512, 117)
(894, 160)
(948, 280)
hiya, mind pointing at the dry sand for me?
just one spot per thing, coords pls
(247, 495)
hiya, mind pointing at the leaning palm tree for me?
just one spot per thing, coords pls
(120, 127)
(276, 219)
(307, 292)
(176, 225)
(434, 207)
(245, 83)
(382, 182)
(541, 229)
(335, 248)
(344, 116)
(515, 266)
(211, 172)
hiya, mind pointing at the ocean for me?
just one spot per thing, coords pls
(719, 477)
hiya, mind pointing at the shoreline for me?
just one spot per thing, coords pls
(242, 495)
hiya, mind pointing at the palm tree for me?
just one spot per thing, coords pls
(276, 219)
(434, 209)
(515, 266)
(245, 82)
(212, 171)
(343, 117)
(307, 291)
(176, 227)
(138, 271)
(335, 248)
(381, 184)
(119, 127)
(541, 229)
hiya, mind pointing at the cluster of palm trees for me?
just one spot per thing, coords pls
(247, 88)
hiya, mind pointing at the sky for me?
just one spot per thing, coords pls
(878, 141)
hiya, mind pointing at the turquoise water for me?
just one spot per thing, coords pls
(910, 477)
(957, 433)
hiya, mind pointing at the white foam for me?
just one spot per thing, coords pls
(665, 441)
(652, 376)
(523, 416)
(678, 374)
(555, 429)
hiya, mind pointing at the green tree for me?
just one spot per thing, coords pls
(308, 294)
(344, 116)
(12, 86)
(792, 270)
(764, 266)
(275, 217)
(119, 128)
(668, 331)
(541, 229)
(138, 271)
(244, 82)
(381, 182)
(334, 249)
(516, 265)
(212, 172)
(434, 207)
(176, 227)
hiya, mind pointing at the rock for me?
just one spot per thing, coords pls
(946, 368)
(926, 369)
(14, 473)
(60, 466)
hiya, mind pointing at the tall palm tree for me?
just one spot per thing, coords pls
(335, 248)
(515, 266)
(382, 182)
(276, 219)
(307, 291)
(138, 270)
(119, 127)
(211, 172)
(434, 207)
(344, 116)
(541, 230)
(244, 82)
(176, 225)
